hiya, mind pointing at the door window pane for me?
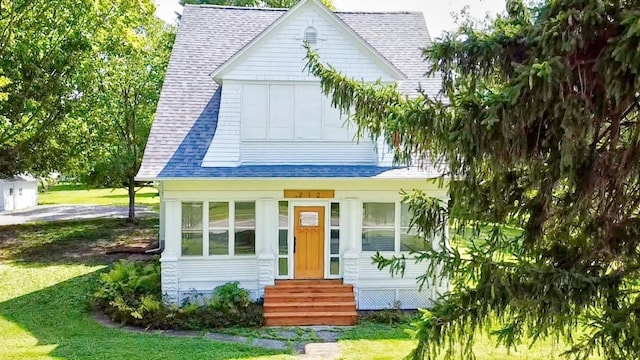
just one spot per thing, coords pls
(335, 214)
(283, 214)
(335, 242)
(283, 242)
(378, 214)
(283, 266)
(334, 266)
(378, 239)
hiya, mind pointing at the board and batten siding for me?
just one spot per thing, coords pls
(296, 124)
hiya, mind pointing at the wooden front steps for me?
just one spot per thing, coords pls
(309, 302)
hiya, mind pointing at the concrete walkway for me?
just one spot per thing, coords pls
(49, 213)
(326, 347)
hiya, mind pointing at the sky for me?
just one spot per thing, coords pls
(436, 12)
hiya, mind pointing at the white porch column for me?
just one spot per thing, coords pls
(351, 216)
(266, 241)
(170, 269)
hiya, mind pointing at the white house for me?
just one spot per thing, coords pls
(18, 192)
(261, 179)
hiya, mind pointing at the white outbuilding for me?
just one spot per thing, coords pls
(18, 192)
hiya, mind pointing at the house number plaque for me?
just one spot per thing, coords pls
(309, 218)
(309, 194)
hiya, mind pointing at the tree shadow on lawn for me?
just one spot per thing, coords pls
(75, 242)
(59, 316)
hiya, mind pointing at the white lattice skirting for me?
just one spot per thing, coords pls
(377, 298)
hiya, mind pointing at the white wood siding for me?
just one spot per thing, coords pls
(375, 289)
(308, 152)
(225, 146)
(219, 270)
(267, 95)
(280, 56)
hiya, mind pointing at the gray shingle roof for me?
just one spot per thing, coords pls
(210, 35)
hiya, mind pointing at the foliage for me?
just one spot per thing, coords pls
(41, 44)
(123, 81)
(131, 290)
(229, 298)
(539, 130)
(393, 316)
(130, 293)
(254, 3)
(45, 313)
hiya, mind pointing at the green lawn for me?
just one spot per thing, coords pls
(48, 273)
(78, 194)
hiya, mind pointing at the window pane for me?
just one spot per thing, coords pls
(246, 214)
(283, 242)
(283, 266)
(405, 215)
(191, 243)
(378, 214)
(378, 239)
(219, 242)
(411, 242)
(245, 242)
(219, 215)
(335, 242)
(191, 216)
(283, 219)
(335, 214)
(334, 266)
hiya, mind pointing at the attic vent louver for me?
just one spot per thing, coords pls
(311, 35)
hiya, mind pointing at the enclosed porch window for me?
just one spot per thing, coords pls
(385, 228)
(230, 229)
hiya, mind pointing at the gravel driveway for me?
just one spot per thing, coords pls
(69, 212)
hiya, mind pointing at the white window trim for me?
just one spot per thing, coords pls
(328, 255)
(230, 230)
(398, 229)
(289, 239)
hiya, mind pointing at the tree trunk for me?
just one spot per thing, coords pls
(132, 200)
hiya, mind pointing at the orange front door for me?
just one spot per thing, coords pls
(309, 242)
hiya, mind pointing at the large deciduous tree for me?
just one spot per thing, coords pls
(41, 44)
(539, 129)
(123, 82)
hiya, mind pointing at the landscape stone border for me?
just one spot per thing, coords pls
(326, 350)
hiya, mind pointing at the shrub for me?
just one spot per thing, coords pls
(392, 316)
(130, 291)
(131, 294)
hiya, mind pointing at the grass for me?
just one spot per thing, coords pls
(79, 194)
(45, 292)
(48, 273)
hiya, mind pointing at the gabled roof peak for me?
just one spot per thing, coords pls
(249, 8)
(236, 7)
